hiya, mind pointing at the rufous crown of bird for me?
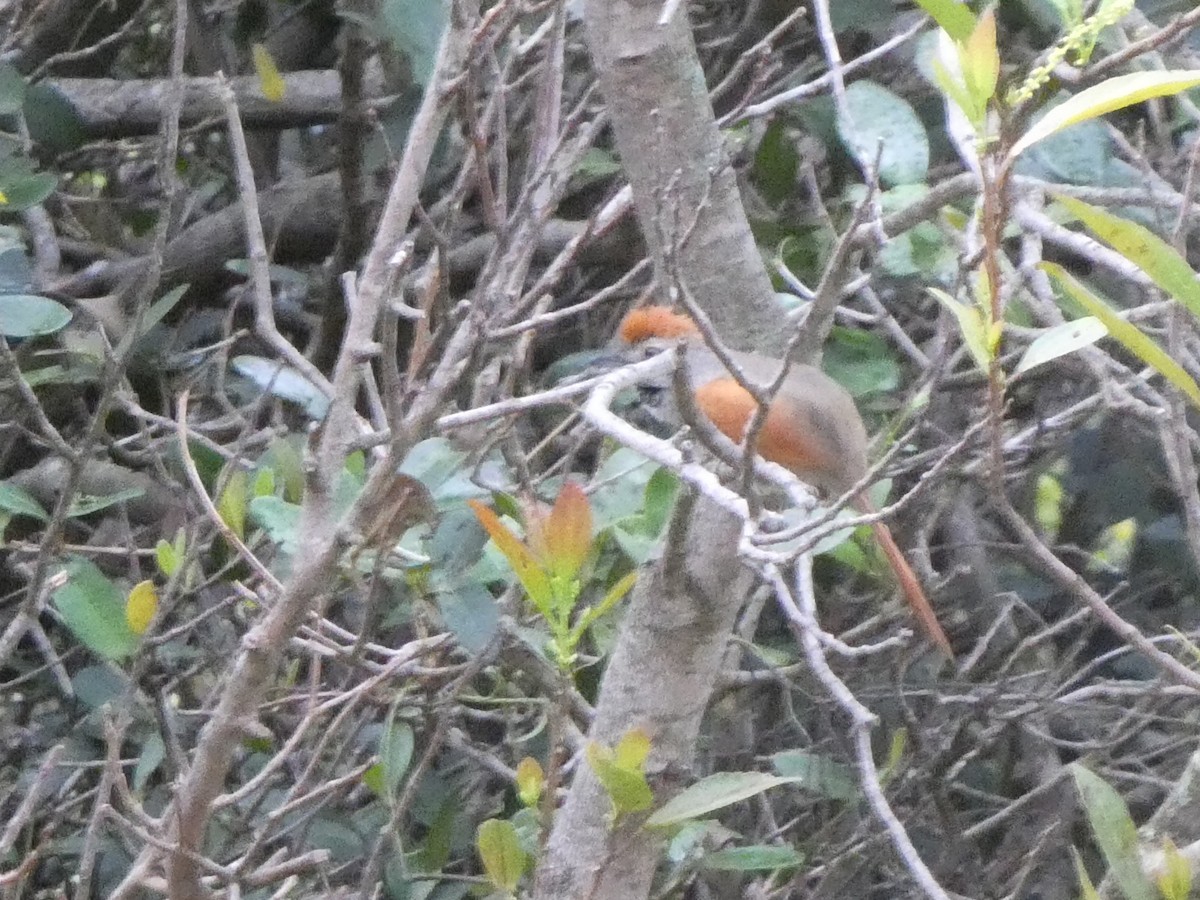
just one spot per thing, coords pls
(812, 426)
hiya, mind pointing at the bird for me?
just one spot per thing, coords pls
(812, 428)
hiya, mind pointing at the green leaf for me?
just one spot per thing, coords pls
(500, 851)
(1144, 248)
(952, 17)
(1086, 889)
(28, 315)
(279, 519)
(626, 786)
(415, 28)
(52, 119)
(86, 504)
(713, 793)
(817, 774)
(284, 458)
(755, 858)
(525, 565)
(284, 382)
(27, 189)
(12, 90)
(163, 305)
(862, 362)
(1115, 833)
(971, 325)
(1105, 97)
(1128, 335)
(1061, 339)
(981, 61)
(153, 752)
(1175, 878)
(776, 163)
(1048, 499)
(470, 612)
(232, 502)
(877, 125)
(94, 609)
(169, 557)
(19, 502)
(396, 746)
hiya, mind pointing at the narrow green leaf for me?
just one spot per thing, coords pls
(499, 849)
(232, 503)
(163, 305)
(396, 746)
(1061, 339)
(1128, 335)
(1087, 890)
(86, 504)
(1115, 833)
(952, 17)
(970, 325)
(1105, 97)
(713, 793)
(756, 858)
(1144, 248)
(981, 60)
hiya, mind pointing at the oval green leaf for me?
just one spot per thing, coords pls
(28, 315)
(500, 851)
(94, 609)
(877, 125)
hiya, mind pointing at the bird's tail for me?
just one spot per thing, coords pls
(913, 592)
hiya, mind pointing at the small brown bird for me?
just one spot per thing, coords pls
(812, 428)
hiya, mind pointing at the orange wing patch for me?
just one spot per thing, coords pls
(784, 438)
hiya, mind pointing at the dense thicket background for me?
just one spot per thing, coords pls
(252, 635)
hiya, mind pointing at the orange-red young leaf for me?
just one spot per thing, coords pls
(526, 566)
(568, 534)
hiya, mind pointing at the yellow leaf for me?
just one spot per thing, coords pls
(140, 606)
(530, 780)
(632, 749)
(269, 79)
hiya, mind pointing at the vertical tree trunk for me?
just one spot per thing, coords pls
(669, 653)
